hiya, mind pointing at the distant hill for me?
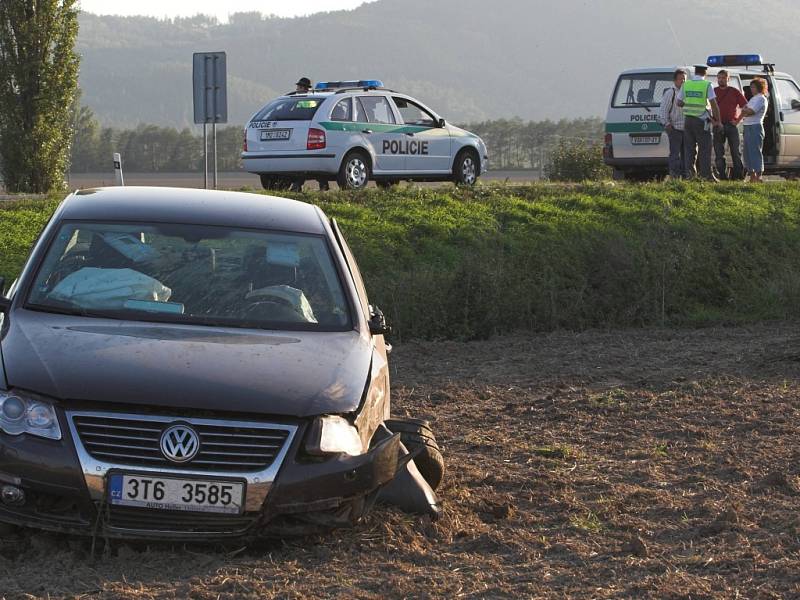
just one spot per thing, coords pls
(468, 59)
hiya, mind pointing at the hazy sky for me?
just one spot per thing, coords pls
(188, 8)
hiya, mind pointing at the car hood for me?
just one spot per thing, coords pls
(188, 367)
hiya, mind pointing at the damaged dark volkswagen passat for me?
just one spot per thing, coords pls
(185, 364)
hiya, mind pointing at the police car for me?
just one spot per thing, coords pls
(354, 132)
(637, 147)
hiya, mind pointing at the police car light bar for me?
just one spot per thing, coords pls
(735, 60)
(335, 85)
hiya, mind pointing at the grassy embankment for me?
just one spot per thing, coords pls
(471, 263)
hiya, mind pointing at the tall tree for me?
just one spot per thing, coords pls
(38, 86)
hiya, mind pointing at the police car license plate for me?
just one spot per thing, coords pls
(645, 139)
(275, 134)
(167, 493)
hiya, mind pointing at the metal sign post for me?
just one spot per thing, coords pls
(210, 80)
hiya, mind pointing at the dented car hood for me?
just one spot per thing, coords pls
(295, 374)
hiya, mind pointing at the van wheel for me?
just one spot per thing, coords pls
(354, 172)
(416, 433)
(269, 182)
(466, 168)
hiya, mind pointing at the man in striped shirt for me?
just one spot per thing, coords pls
(670, 115)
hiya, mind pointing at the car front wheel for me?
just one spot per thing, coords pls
(354, 172)
(466, 168)
(417, 434)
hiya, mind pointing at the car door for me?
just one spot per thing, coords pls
(427, 146)
(381, 133)
(788, 96)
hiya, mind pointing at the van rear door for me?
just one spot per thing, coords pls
(632, 119)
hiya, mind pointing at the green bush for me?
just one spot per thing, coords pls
(576, 161)
(470, 263)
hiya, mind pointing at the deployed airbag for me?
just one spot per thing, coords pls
(108, 288)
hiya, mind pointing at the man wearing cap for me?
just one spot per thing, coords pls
(701, 113)
(730, 101)
(303, 86)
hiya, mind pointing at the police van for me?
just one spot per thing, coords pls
(354, 132)
(636, 145)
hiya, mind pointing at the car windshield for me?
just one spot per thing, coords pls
(290, 109)
(192, 274)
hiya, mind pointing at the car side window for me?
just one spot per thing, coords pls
(342, 111)
(361, 114)
(787, 93)
(378, 109)
(413, 114)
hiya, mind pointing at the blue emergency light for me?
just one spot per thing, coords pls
(735, 60)
(335, 85)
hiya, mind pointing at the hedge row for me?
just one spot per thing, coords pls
(467, 264)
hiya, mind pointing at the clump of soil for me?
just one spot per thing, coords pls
(646, 464)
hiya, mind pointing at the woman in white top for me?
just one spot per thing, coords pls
(752, 118)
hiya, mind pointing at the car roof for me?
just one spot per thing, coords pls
(711, 71)
(193, 206)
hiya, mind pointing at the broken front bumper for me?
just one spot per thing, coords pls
(65, 491)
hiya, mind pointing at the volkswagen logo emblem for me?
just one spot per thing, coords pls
(180, 443)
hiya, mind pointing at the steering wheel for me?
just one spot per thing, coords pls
(273, 304)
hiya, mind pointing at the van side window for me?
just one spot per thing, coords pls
(787, 93)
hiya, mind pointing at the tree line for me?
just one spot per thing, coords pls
(513, 144)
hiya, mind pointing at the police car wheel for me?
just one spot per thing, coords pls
(465, 170)
(354, 172)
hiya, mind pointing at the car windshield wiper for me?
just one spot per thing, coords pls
(644, 106)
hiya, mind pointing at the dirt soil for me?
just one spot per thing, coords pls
(638, 464)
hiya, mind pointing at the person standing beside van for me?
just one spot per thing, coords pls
(701, 116)
(753, 120)
(730, 100)
(670, 115)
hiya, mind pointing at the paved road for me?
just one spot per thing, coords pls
(235, 180)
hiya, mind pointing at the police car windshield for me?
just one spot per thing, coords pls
(641, 89)
(290, 109)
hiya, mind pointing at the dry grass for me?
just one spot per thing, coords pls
(597, 465)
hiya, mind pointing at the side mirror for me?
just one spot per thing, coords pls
(377, 322)
(441, 123)
(795, 104)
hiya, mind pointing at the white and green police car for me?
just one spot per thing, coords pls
(637, 147)
(354, 132)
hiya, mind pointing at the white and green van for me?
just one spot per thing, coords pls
(637, 147)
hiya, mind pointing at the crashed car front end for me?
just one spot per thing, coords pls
(181, 379)
(72, 480)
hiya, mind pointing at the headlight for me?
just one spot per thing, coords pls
(334, 435)
(21, 413)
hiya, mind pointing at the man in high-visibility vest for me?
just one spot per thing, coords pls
(701, 110)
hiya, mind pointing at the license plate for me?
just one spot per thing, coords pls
(168, 493)
(645, 139)
(275, 134)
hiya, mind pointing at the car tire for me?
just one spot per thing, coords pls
(415, 433)
(354, 173)
(466, 168)
(280, 184)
